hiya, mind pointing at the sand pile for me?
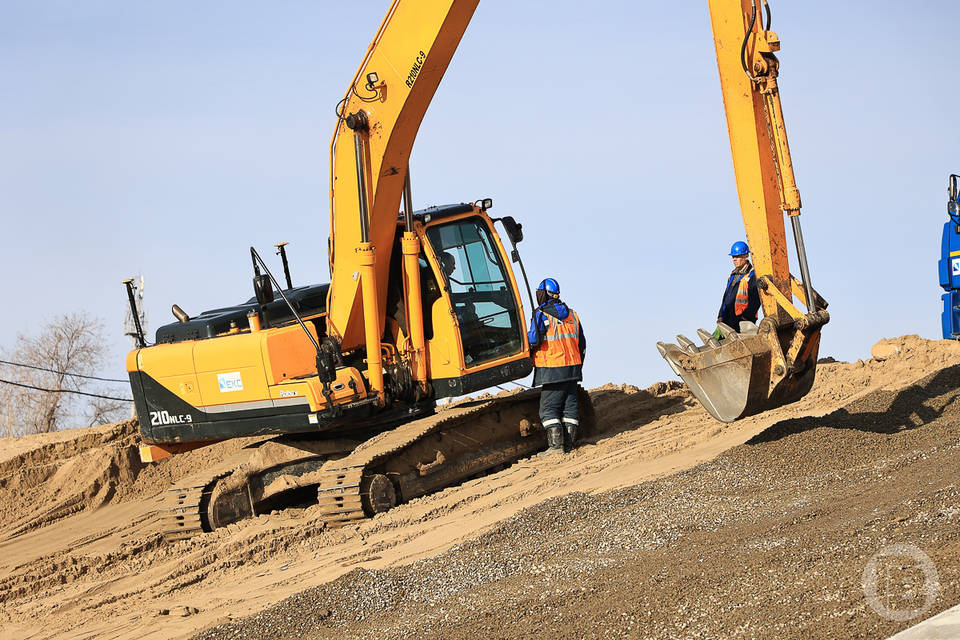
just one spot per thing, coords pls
(770, 539)
(47, 477)
(156, 477)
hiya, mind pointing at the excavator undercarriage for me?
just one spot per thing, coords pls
(351, 481)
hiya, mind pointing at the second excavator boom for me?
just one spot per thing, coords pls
(755, 368)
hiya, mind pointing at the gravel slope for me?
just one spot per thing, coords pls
(769, 540)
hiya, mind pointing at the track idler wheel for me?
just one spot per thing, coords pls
(226, 506)
(377, 494)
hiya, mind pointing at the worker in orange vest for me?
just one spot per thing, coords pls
(741, 300)
(558, 346)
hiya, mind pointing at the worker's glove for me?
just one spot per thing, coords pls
(718, 334)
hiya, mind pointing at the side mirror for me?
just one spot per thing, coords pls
(263, 289)
(513, 228)
(954, 187)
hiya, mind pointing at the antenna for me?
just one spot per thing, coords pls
(130, 328)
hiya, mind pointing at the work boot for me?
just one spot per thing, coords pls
(554, 441)
(571, 431)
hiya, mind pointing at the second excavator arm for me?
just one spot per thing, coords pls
(757, 368)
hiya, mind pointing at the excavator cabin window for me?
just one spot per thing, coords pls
(479, 288)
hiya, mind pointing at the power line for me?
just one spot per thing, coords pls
(74, 375)
(81, 393)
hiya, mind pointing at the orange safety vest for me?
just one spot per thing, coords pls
(742, 301)
(561, 344)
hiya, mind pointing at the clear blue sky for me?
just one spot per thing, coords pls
(165, 138)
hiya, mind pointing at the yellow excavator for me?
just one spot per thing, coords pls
(754, 368)
(421, 305)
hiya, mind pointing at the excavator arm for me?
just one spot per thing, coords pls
(378, 120)
(755, 368)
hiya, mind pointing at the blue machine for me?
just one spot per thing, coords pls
(950, 263)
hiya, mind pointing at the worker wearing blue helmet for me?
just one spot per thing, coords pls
(558, 346)
(741, 300)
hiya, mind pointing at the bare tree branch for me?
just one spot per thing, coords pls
(69, 344)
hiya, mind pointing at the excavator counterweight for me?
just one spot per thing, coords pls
(748, 369)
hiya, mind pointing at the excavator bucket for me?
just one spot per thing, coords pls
(745, 372)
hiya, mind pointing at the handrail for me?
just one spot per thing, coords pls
(256, 258)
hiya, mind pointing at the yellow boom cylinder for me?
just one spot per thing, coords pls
(371, 315)
(410, 245)
(789, 194)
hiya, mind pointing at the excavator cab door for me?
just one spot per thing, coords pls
(480, 290)
(485, 318)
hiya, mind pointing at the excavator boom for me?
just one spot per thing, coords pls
(756, 368)
(381, 112)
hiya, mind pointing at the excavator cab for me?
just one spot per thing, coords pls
(480, 291)
(475, 337)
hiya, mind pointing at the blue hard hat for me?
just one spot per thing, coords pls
(549, 285)
(739, 249)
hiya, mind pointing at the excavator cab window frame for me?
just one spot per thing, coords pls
(478, 253)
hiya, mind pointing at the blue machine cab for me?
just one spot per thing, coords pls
(950, 263)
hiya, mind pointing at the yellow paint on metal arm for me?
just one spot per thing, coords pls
(409, 56)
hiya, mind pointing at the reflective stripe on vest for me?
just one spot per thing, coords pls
(743, 295)
(561, 344)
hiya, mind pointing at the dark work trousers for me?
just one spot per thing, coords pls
(558, 404)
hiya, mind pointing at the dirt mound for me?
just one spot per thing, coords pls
(156, 477)
(48, 477)
(51, 476)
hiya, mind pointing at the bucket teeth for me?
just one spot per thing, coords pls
(686, 344)
(708, 339)
(665, 351)
(727, 331)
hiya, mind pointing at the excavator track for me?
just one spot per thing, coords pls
(219, 495)
(353, 488)
(183, 514)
